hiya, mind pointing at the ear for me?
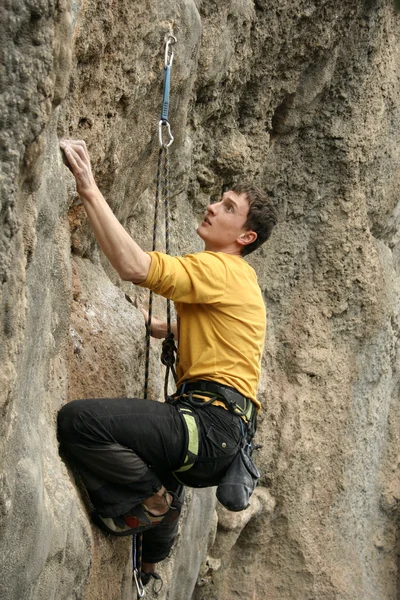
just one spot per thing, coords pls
(247, 238)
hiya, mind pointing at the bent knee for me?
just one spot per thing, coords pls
(70, 418)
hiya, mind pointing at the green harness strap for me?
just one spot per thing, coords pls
(193, 437)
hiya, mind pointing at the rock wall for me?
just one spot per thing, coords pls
(302, 97)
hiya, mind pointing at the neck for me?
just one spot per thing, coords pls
(229, 250)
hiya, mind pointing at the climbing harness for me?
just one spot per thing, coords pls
(234, 490)
(185, 399)
(233, 400)
(168, 346)
(162, 190)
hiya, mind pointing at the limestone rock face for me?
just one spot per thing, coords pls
(301, 97)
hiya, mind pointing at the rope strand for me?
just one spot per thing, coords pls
(137, 563)
(155, 224)
(169, 348)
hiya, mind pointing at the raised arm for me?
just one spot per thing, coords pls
(127, 258)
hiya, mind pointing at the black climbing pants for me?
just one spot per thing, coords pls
(125, 449)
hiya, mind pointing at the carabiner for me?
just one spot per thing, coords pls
(139, 584)
(169, 51)
(160, 135)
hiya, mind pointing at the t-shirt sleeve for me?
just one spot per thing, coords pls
(195, 278)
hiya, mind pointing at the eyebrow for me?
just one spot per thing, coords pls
(230, 199)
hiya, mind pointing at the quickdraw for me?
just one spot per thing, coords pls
(169, 57)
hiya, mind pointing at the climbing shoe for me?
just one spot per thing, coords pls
(157, 581)
(139, 518)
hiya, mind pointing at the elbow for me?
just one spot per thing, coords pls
(124, 270)
(132, 276)
(124, 275)
(135, 271)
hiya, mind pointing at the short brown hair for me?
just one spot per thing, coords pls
(261, 217)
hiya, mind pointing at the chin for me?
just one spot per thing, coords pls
(200, 232)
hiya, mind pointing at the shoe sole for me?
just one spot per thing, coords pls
(97, 520)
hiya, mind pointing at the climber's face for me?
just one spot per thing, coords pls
(223, 227)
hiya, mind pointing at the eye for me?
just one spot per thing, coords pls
(229, 207)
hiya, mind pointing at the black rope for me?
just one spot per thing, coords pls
(155, 224)
(168, 359)
(166, 212)
(168, 348)
(139, 551)
(137, 546)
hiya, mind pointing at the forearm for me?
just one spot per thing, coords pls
(127, 258)
(121, 250)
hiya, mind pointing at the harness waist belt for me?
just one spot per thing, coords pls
(233, 398)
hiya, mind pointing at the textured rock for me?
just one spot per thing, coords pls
(301, 96)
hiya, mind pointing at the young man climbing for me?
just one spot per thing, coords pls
(130, 451)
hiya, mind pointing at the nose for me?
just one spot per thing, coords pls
(211, 208)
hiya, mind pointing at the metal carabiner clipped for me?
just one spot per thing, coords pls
(165, 123)
(169, 51)
(138, 582)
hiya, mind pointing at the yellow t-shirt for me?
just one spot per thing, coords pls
(221, 316)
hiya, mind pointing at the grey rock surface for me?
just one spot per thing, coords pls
(302, 97)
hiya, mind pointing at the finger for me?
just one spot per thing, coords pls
(71, 148)
(79, 147)
(64, 154)
(66, 145)
(79, 150)
(65, 161)
(79, 162)
(72, 157)
(75, 144)
(78, 167)
(81, 144)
